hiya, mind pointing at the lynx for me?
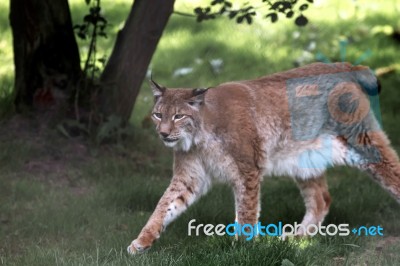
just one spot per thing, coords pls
(295, 123)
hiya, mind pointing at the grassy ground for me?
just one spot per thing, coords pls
(63, 202)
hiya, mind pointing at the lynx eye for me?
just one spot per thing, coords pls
(157, 116)
(178, 117)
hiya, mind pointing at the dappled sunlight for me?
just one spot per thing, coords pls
(277, 46)
(6, 57)
(304, 243)
(6, 51)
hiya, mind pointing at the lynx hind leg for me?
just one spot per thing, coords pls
(385, 167)
(317, 201)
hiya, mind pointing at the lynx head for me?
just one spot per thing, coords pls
(176, 114)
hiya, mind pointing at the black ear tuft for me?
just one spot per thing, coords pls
(197, 97)
(158, 90)
(199, 91)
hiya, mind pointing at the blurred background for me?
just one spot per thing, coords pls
(74, 195)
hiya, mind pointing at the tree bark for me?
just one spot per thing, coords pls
(46, 55)
(133, 50)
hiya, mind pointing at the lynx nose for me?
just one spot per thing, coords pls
(164, 134)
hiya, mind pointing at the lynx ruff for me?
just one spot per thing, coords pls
(295, 123)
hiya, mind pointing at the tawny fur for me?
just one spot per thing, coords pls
(295, 123)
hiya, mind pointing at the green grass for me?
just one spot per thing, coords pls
(62, 203)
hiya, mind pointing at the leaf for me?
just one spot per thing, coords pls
(289, 14)
(239, 19)
(81, 35)
(109, 128)
(247, 9)
(87, 2)
(281, 6)
(71, 125)
(248, 18)
(88, 18)
(102, 19)
(276, 5)
(286, 262)
(95, 10)
(211, 17)
(102, 60)
(228, 4)
(303, 7)
(310, 1)
(198, 10)
(61, 128)
(103, 34)
(273, 16)
(301, 21)
(232, 14)
(217, 2)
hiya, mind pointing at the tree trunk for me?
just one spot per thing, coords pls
(46, 56)
(133, 50)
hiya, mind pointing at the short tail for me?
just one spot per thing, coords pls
(367, 80)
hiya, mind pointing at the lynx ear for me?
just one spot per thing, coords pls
(197, 97)
(158, 90)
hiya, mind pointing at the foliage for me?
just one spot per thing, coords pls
(246, 13)
(94, 25)
(110, 130)
(93, 125)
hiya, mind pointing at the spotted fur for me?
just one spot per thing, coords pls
(296, 123)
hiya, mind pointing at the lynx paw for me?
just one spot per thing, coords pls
(300, 234)
(135, 248)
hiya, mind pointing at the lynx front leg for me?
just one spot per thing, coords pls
(317, 200)
(247, 199)
(181, 193)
